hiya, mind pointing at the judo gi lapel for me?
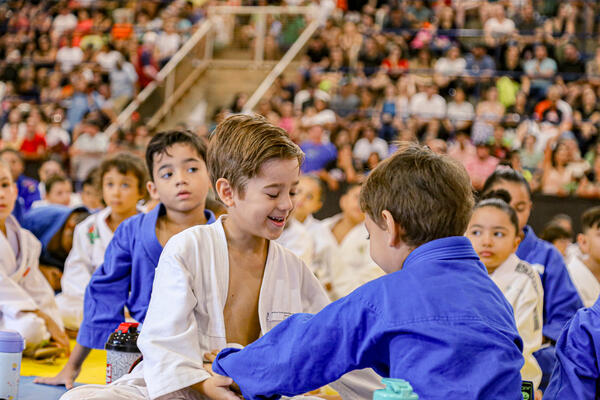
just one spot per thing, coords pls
(29, 249)
(101, 227)
(148, 237)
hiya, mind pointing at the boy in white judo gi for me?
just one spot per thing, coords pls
(585, 271)
(26, 299)
(179, 180)
(122, 180)
(436, 319)
(228, 282)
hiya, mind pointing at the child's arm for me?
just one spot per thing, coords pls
(561, 300)
(71, 369)
(576, 374)
(170, 339)
(107, 292)
(78, 265)
(305, 351)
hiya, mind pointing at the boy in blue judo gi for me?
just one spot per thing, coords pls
(561, 300)
(179, 180)
(576, 372)
(54, 226)
(436, 319)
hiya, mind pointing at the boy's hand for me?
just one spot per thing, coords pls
(65, 377)
(217, 388)
(209, 358)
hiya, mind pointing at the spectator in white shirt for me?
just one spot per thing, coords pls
(450, 67)
(69, 56)
(498, 28)
(88, 149)
(460, 113)
(167, 43)
(427, 106)
(369, 143)
(63, 22)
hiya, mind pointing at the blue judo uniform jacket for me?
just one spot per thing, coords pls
(440, 323)
(561, 300)
(124, 279)
(576, 373)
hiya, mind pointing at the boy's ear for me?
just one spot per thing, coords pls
(583, 243)
(151, 186)
(393, 230)
(225, 192)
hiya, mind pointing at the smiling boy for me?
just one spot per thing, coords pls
(230, 281)
(436, 319)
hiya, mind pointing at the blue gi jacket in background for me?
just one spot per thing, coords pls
(440, 323)
(561, 300)
(576, 373)
(28, 191)
(124, 279)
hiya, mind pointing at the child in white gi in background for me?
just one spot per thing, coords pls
(494, 233)
(26, 299)
(585, 270)
(347, 246)
(228, 282)
(122, 180)
(297, 239)
(309, 200)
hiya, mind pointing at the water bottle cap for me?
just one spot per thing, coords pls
(124, 338)
(11, 342)
(395, 389)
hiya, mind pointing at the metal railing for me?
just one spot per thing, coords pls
(158, 99)
(172, 81)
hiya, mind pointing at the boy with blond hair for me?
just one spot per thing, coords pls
(436, 320)
(230, 281)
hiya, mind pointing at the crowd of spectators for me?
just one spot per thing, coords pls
(68, 67)
(505, 82)
(488, 82)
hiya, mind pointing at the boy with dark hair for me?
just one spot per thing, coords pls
(58, 191)
(585, 271)
(436, 319)
(230, 281)
(179, 180)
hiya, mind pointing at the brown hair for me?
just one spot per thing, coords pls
(124, 163)
(241, 144)
(53, 180)
(428, 195)
(590, 218)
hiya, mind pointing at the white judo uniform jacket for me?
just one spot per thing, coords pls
(349, 262)
(521, 285)
(185, 316)
(318, 232)
(22, 285)
(584, 280)
(90, 240)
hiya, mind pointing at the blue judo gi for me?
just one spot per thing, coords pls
(561, 300)
(577, 372)
(29, 191)
(124, 279)
(440, 323)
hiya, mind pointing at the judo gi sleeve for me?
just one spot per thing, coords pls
(575, 374)
(170, 341)
(305, 351)
(107, 293)
(13, 297)
(561, 300)
(78, 265)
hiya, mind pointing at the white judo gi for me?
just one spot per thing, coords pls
(90, 240)
(22, 285)
(585, 282)
(521, 285)
(349, 262)
(295, 238)
(185, 316)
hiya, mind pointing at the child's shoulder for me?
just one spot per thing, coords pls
(198, 237)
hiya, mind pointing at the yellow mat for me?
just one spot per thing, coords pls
(92, 371)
